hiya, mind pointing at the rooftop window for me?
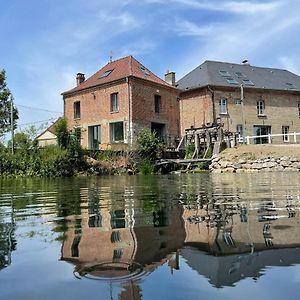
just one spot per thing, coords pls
(224, 73)
(105, 74)
(247, 82)
(239, 74)
(231, 80)
(290, 85)
(145, 71)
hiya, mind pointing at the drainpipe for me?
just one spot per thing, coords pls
(129, 90)
(213, 104)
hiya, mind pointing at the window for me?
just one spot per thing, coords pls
(94, 133)
(105, 74)
(77, 110)
(239, 130)
(299, 109)
(262, 132)
(223, 106)
(239, 74)
(118, 253)
(224, 73)
(260, 108)
(145, 71)
(290, 85)
(248, 82)
(231, 80)
(157, 103)
(114, 102)
(285, 132)
(115, 237)
(116, 132)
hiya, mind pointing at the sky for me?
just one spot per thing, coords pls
(44, 43)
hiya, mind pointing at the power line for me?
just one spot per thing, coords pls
(36, 122)
(30, 107)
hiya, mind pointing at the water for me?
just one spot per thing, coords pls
(193, 236)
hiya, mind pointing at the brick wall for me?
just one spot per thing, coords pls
(95, 110)
(143, 108)
(195, 109)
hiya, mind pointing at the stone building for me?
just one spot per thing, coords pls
(248, 100)
(117, 101)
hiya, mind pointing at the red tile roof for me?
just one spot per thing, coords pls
(121, 68)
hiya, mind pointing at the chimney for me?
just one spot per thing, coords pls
(79, 78)
(170, 77)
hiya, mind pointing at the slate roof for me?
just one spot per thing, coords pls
(208, 73)
(121, 68)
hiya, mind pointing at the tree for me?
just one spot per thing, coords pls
(5, 107)
(22, 141)
(62, 133)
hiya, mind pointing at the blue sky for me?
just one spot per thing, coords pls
(46, 42)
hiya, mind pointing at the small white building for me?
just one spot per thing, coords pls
(47, 137)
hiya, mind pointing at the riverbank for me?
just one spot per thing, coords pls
(257, 158)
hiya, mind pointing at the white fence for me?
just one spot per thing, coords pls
(270, 138)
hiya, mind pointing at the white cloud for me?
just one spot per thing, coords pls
(239, 7)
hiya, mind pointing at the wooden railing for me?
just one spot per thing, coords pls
(269, 138)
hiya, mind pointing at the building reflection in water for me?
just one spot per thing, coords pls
(222, 232)
(122, 243)
(231, 235)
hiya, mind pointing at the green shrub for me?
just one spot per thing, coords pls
(146, 167)
(148, 145)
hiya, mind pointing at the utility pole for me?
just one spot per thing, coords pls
(242, 111)
(12, 123)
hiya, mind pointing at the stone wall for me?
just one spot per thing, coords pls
(270, 164)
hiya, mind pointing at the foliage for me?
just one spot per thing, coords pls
(21, 141)
(189, 151)
(5, 107)
(50, 161)
(148, 145)
(62, 133)
(146, 167)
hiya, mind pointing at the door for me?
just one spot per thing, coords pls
(261, 130)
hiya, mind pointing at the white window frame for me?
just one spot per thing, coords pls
(114, 102)
(285, 132)
(113, 136)
(260, 107)
(240, 130)
(223, 106)
(77, 110)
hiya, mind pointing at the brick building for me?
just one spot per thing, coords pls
(117, 101)
(212, 93)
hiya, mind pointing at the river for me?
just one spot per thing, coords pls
(188, 236)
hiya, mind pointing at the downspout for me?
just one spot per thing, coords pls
(129, 90)
(213, 104)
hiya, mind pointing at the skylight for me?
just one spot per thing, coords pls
(224, 73)
(248, 82)
(105, 74)
(145, 71)
(290, 85)
(239, 74)
(231, 80)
